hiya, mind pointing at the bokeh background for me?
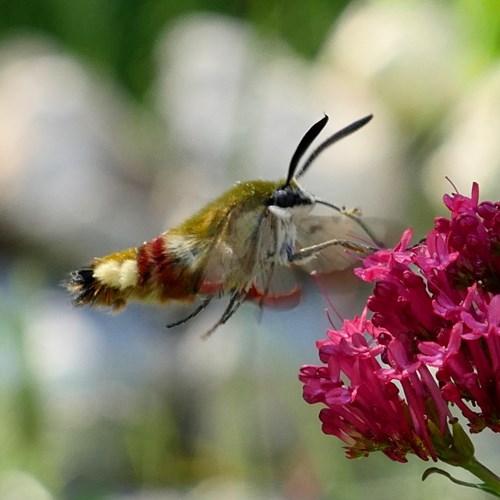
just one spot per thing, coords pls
(120, 118)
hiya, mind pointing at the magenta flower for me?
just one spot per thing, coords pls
(390, 382)
(365, 367)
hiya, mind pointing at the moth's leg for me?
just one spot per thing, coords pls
(307, 252)
(192, 314)
(237, 298)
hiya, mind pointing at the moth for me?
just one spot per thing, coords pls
(238, 246)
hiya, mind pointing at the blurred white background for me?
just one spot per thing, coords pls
(118, 126)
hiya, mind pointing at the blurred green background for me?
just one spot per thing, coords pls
(119, 119)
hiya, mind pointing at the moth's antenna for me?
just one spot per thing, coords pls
(306, 141)
(331, 140)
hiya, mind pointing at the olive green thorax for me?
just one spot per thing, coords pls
(242, 198)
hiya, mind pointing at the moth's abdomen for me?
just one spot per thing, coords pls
(166, 269)
(155, 271)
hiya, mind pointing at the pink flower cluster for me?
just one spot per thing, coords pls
(433, 341)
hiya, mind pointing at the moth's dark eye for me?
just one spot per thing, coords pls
(286, 198)
(281, 198)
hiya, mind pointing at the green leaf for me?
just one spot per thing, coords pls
(480, 486)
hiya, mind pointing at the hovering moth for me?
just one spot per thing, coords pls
(238, 246)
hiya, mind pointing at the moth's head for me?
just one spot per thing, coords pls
(290, 194)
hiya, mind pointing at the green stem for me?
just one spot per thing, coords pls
(490, 479)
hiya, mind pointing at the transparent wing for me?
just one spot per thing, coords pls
(241, 260)
(317, 229)
(230, 258)
(275, 285)
(222, 269)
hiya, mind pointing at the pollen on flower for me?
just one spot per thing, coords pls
(427, 343)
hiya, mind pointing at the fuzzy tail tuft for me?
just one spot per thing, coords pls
(107, 282)
(87, 290)
(82, 285)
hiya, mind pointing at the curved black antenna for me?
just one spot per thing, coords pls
(306, 141)
(333, 139)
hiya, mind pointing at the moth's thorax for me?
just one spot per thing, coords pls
(244, 199)
(284, 208)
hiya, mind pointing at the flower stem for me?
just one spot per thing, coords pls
(490, 479)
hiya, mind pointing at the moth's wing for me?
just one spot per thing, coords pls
(218, 268)
(217, 273)
(315, 229)
(275, 285)
(229, 258)
(238, 260)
